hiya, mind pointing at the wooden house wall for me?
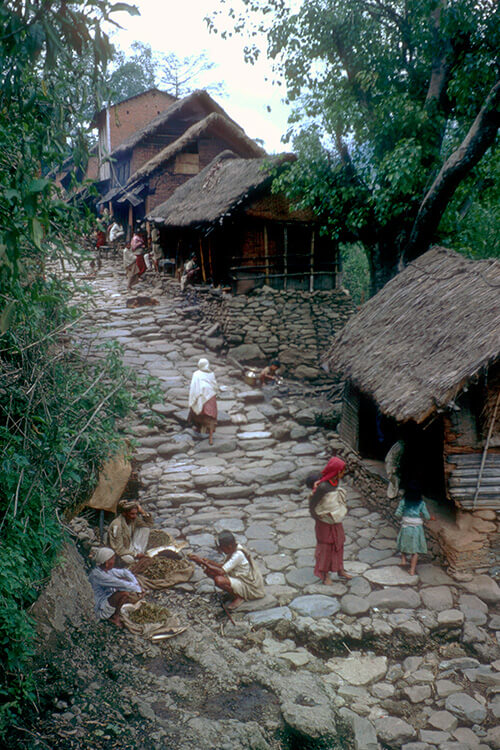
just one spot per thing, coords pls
(283, 254)
(472, 446)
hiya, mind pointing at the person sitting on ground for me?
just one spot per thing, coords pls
(189, 272)
(411, 539)
(269, 373)
(238, 574)
(327, 505)
(128, 533)
(113, 587)
(115, 232)
(203, 399)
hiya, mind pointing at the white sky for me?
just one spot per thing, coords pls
(178, 26)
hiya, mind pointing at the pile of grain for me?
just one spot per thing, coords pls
(148, 613)
(163, 567)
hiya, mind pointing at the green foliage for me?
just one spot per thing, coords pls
(146, 68)
(57, 410)
(355, 272)
(134, 73)
(383, 95)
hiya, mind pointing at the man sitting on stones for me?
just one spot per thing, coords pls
(128, 533)
(238, 574)
(269, 373)
(113, 587)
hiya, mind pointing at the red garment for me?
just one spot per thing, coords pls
(141, 264)
(329, 554)
(334, 467)
(100, 239)
(210, 408)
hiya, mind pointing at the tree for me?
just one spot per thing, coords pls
(132, 74)
(147, 68)
(178, 75)
(396, 102)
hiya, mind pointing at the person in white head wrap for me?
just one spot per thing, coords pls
(112, 586)
(203, 399)
(128, 533)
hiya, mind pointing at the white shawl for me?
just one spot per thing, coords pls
(203, 387)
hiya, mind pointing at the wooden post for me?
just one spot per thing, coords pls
(203, 274)
(130, 219)
(311, 268)
(266, 252)
(285, 254)
(210, 259)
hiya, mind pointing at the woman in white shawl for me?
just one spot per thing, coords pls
(203, 399)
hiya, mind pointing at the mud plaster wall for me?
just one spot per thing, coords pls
(295, 326)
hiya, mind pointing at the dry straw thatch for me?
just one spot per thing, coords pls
(213, 124)
(217, 190)
(198, 102)
(424, 336)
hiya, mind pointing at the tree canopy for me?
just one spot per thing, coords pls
(146, 68)
(396, 103)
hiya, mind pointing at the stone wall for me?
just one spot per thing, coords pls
(296, 327)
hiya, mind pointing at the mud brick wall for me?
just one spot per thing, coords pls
(295, 326)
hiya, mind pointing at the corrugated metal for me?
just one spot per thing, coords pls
(462, 470)
(349, 422)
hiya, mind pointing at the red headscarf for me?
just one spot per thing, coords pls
(331, 471)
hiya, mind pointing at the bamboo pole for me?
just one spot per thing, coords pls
(203, 274)
(266, 252)
(485, 452)
(285, 255)
(311, 269)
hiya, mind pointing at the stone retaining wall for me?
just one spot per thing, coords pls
(296, 327)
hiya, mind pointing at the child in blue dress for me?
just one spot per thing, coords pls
(411, 539)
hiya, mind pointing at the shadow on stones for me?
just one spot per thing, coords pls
(181, 666)
(248, 703)
(292, 739)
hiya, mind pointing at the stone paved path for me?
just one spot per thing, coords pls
(357, 634)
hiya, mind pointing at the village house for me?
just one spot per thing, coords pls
(145, 168)
(272, 281)
(421, 361)
(114, 123)
(244, 235)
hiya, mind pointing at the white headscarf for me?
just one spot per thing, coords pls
(203, 386)
(102, 555)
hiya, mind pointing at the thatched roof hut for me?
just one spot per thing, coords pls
(213, 125)
(217, 190)
(432, 329)
(198, 104)
(244, 233)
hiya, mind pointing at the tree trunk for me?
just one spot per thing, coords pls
(477, 141)
(384, 263)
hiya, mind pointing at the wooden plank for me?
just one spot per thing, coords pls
(266, 251)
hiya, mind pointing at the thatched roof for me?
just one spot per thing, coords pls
(213, 123)
(197, 101)
(217, 190)
(424, 336)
